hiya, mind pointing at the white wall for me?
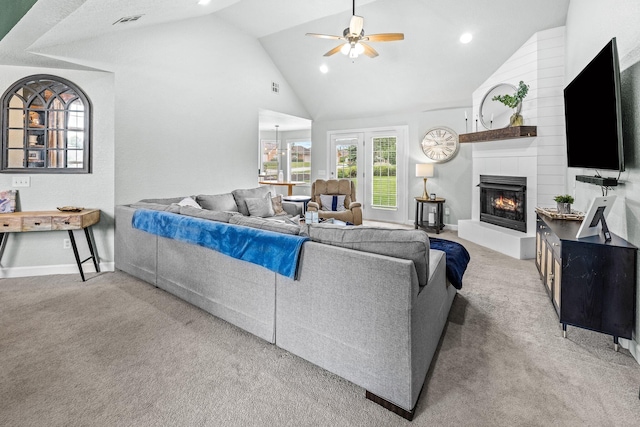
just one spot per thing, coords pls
(41, 252)
(590, 26)
(188, 95)
(452, 179)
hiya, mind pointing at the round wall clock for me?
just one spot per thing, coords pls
(440, 144)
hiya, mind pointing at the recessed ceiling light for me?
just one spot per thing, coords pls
(466, 38)
(204, 2)
(324, 69)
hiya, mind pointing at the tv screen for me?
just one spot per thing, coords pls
(592, 114)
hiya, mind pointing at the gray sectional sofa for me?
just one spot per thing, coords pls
(367, 304)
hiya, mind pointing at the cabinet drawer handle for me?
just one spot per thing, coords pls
(36, 223)
(67, 222)
(5, 225)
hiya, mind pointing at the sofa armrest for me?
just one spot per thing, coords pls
(355, 205)
(313, 206)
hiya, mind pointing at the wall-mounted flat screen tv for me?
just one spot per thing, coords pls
(593, 116)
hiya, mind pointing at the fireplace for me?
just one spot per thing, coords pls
(503, 201)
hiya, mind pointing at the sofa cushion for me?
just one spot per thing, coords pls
(218, 202)
(406, 244)
(265, 224)
(165, 201)
(173, 207)
(252, 193)
(207, 214)
(261, 207)
(332, 202)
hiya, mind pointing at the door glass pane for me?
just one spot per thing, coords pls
(384, 172)
(347, 161)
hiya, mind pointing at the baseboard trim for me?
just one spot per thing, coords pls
(632, 346)
(45, 270)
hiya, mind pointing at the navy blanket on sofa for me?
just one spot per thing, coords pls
(457, 259)
(275, 251)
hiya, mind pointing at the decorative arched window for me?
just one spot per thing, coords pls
(46, 127)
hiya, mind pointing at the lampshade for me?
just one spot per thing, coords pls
(424, 170)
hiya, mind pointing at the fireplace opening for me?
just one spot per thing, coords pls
(503, 201)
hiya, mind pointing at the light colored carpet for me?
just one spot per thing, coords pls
(117, 351)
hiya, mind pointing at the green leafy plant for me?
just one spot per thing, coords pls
(512, 101)
(564, 198)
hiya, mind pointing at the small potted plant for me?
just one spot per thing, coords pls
(512, 101)
(564, 203)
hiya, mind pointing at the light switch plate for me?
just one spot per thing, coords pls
(21, 181)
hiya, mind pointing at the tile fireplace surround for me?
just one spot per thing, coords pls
(541, 159)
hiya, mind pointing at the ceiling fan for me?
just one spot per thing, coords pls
(354, 38)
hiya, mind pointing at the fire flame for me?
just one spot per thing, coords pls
(505, 204)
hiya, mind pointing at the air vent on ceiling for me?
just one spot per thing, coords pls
(125, 19)
(275, 87)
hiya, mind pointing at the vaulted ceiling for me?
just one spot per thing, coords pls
(429, 70)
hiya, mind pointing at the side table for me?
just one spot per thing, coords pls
(419, 221)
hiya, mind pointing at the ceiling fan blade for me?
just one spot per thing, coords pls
(385, 37)
(355, 25)
(334, 50)
(369, 51)
(325, 36)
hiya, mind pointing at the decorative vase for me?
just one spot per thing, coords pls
(564, 208)
(280, 176)
(516, 120)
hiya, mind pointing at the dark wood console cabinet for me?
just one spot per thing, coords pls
(592, 283)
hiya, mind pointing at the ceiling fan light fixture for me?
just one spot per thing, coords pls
(466, 38)
(358, 48)
(345, 49)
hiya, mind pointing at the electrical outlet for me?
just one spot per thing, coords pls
(446, 211)
(66, 244)
(21, 181)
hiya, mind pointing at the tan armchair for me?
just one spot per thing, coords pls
(353, 209)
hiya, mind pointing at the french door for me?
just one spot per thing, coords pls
(375, 160)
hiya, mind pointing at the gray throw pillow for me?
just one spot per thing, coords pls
(406, 244)
(265, 224)
(260, 207)
(218, 202)
(252, 193)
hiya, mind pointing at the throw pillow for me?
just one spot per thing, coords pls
(218, 202)
(332, 202)
(276, 202)
(188, 201)
(207, 214)
(260, 207)
(240, 195)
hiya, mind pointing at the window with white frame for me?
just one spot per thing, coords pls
(300, 160)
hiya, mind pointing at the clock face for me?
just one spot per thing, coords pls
(440, 144)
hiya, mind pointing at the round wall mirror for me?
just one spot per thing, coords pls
(494, 114)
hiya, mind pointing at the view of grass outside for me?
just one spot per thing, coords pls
(385, 186)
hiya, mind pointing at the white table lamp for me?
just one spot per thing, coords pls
(424, 170)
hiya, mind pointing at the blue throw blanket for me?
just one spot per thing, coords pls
(457, 259)
(276, 251)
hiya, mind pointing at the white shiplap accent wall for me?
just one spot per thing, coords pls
(540, 64)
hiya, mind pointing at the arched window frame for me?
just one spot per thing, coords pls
(49, 105)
